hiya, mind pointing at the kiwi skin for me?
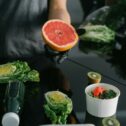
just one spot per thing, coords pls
(110, 122)
(95, 79)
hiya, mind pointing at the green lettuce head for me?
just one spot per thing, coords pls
(58, 106)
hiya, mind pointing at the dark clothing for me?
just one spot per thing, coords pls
(20, 27)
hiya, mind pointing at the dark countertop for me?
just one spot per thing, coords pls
(75, 68)
(110, 64)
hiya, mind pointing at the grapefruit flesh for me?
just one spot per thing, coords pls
(59, 35)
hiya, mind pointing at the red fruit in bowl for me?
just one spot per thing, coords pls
(98, 91)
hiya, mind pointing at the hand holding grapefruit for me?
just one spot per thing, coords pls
(59, 35)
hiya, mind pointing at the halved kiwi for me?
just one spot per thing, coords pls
(110, 122)
(94, 77)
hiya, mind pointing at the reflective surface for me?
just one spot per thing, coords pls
(71, 77)
(109, 61)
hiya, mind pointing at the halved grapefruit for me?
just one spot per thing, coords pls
(59, 35)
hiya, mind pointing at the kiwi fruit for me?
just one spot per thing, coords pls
(94, 77)
(110, 122)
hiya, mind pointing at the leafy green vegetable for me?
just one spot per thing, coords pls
(57, 107)
(17, 70)
(107, 94)
(98, 34)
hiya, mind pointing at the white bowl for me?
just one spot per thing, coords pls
(101, 107)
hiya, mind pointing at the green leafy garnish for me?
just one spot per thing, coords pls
(108, 94)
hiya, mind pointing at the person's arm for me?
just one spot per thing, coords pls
(58, 10)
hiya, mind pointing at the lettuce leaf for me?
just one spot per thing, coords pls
(98, 34)
(17, 70)
(57, 107)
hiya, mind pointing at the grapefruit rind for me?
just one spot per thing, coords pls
(55, 46)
